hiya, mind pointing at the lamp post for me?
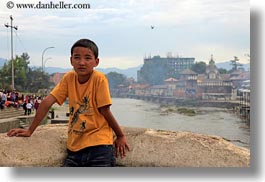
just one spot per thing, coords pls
(12, 61)
(42, 67)
(45, 63)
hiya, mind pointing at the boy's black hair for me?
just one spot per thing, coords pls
(87, 44)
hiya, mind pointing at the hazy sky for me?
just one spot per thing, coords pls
(122, 30)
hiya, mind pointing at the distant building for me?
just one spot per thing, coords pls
(56, 77)
(171, 86)
(238, 77)
(213, 85)
(212, 71)
(187, 84)
(177, 64)
(139, 89)
(173, 66)
(158, 90)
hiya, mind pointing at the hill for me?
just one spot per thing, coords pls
(52, 70)
(227, 65)
(129, 72)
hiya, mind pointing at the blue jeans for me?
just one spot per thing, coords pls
(95, 156)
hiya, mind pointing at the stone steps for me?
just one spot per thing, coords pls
(11, 112)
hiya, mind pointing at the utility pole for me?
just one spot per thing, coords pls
(12, 61)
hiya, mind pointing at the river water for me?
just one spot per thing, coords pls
(208, 120)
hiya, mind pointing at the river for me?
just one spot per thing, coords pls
(207, 120)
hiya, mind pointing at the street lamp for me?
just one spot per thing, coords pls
(42, 67)
(45, 63)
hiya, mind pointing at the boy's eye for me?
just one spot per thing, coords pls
(76, 57)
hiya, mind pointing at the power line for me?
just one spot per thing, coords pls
(20, 41)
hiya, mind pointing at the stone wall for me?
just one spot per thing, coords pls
(7, 124)
(18, 122)
(149, 148)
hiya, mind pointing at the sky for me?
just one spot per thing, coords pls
(122, 30)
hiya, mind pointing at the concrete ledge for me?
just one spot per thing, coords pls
(150, 148)
(7, 124)
(16, 122)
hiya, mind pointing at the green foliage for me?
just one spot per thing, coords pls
(235, 64)
(37, 80)
(222, 71)
(199, 67)
(26, 79)
(154, 72)
(21, 70)
(115, 79)
(186, 111)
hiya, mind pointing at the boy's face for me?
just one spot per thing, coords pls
(83, 61)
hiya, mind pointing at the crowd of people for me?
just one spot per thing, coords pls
(15, 99)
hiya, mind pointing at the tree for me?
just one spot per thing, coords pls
(37, 80)
(235, 63)
(154, 72)
(115, 79)
(20, 75)
(21, 65)
(199, 67)
(5, 76)
(26, 79)
(222, 71)
(25, 56)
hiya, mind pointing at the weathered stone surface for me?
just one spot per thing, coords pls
(46, 147)
(182, 149)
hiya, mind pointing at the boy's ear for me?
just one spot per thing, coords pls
(97, 62)
(71, 60)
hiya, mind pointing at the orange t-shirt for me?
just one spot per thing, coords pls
(87, 127)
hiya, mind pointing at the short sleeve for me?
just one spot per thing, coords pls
(60, 91)
(102, 93)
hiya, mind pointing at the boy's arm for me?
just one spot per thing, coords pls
(121, 142)
(40, 114)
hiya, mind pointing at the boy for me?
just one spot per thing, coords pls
(90, 136)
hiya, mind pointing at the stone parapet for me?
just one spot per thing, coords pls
(149, 148)
(7, 124)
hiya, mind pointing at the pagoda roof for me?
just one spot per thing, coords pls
(171, 80)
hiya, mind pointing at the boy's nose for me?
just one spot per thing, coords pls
(82, 61)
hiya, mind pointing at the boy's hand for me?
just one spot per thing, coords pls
(19, 132)
(121, 145)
